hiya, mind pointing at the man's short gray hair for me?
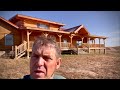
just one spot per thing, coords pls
(44, 41)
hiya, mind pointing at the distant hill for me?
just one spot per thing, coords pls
(116, 48)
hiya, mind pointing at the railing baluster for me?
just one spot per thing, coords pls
(20, 49)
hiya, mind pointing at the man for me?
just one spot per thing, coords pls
(45, 59)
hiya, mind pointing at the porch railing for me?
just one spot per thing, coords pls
(96, 45)
(68, 45)
(20, 50)
(91, 45)
(64, 45)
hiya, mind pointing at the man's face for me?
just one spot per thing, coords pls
(43, 62)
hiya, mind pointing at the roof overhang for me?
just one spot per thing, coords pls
(45, 30)
(9, 22)
(19, 16)
(80, 27)
(96, 36)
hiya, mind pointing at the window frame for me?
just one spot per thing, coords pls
(41, 25)
(9, 40)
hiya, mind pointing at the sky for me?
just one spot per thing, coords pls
(102, 23)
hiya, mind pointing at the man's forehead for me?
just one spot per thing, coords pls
(44, 49)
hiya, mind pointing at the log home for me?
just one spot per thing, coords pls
(19, 32)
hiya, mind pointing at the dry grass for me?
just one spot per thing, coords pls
(11, 69)
(72, 67)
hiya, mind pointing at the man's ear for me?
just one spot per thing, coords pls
(58, 63)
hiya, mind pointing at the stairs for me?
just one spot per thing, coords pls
(69, 52)
(76, 51)
(20, 50)
(82, 51)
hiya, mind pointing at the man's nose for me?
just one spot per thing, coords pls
(40, 61)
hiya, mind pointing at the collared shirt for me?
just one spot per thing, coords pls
(54, 77)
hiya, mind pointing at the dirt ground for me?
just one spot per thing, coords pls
(72, 67)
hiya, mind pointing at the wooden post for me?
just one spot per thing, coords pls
(88, 45)
(104, 47)
(60, 39)
(78, 50)
(15, 52)
(71, 36)
(99, 42)
(94, 45)
(104, 51)
(99, 46)
(46, 34)
(104, 42)
(28, 45)
(24, 45)
(92, 41)
(22, 36)
(82, 39)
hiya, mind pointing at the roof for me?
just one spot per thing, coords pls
(8, 22)
(76, 29)
(72, 29)
(96, 36)
(33, 18)
(62, 30)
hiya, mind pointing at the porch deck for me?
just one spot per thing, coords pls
(68, 46)
(84, 48)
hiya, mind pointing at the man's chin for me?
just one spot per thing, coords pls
(39, 76)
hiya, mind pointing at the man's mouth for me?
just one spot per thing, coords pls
(38, 71)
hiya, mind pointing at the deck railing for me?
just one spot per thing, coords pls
(20, 50)
(68, 45)
(86, 45)
(96, 45)
(64, 44)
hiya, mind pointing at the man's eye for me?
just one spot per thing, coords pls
(46, 58)
(36, 56)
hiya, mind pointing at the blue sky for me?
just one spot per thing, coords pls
(103, 23)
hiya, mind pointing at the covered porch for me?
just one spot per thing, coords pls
(81, 42)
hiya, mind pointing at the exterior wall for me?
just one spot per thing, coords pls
(8, 29)
(54, 36)
(33, 35)
(74, 39)
(85, 40)
(29, 23)
(20, 24)
(53, 27)
(66, 37)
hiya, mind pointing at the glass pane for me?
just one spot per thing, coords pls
(8, 39)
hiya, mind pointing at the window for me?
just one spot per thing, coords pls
(40, 25)
(9, 39)
(79, 43)
(65, 40)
